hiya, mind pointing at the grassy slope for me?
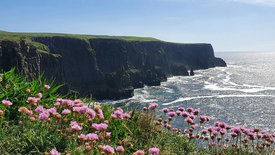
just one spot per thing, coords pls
(27, 37)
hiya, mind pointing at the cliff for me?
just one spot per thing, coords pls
(106, 67)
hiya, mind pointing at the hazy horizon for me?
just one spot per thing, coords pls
(229, 25)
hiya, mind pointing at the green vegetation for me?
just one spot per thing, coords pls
(25, 131)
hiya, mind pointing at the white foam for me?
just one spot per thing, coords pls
(181, 99)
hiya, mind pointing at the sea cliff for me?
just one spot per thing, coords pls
(106, 67)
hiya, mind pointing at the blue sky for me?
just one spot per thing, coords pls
(229, 25)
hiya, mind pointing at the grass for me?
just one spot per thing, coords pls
(38, 128)
(23, 133)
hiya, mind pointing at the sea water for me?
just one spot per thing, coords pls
(241, 94)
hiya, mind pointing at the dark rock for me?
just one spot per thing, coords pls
(192, 72)
(105, 68)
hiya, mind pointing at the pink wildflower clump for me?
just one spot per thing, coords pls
(29, 112)
(6, 103)
(31, 100)
(23, 110)
(91, 137)
(99, 127)
(39, 109)
(100, 114)
(154, 151)
(54, 152)
(139, 152)
(165, 110)
(171, 114)
(39, 95)
(152, 106)
(108, 149)
(75, 126)
(120, 149)
(44, 116)
(66, 112)
(47, 87)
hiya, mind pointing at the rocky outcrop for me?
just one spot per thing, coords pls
(105, 68)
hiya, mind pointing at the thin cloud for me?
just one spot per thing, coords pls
(270, 3)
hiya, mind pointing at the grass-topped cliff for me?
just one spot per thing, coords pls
(105, 66)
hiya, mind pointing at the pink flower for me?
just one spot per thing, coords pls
(181, 109)
(222, 125)
(31, 100)
(81, 137)
(91, 113)
(52, 110)
(127, 116)
(154, 151)
(39, 95)
(196, 112)
(99, 127)
(108, 149)
(91, 137)
(75, 126)
(140, 152)
(57, 104)
(47, 87)
(171, 114)
(178, 112)
(189, 109)
(185, 114)
(29, 112)
(54, 152)
(165, 110)
(152, 106)
(39, 109)
(66, 111)
(100, 114)
(120, 149)
(6, 103)
(23, 110)
(44, 116)
(113, 116)
(88, 148)
(119, 114)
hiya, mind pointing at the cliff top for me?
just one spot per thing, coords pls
(42, 48)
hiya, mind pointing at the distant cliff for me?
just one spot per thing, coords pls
(106, 67)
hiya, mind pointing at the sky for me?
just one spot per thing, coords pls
(229, 25)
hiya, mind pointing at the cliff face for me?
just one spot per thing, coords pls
(106, 68)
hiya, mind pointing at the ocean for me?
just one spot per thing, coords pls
(241, 94)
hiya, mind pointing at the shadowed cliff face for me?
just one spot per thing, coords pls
(106, 68)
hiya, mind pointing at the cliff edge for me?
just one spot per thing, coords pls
(106, 67)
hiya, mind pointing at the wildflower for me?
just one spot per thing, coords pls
(217, 124)
(165, 110)
(171, 114)
(31, 100)
(28, 91)
(88, 148)
(39, 95)
(91, 113)
(154, 151)
(23, 110)
(1, 113)
(39, 109)
(120, 149)
(100, 114)
(99, 127)
(91, 137)
(233, 134)
(76, 127)
(185, 114)
(196, 112)
(6, 103)
(222, 125)
(191, 116)
(204, 131)
(44, 116)
(52, 110)
(223, 131)
(81, 137)
(57, 104)
(29, 112)
(46, 87)
(178, 112)
(152, 106)
(66, 111)
(126, 116)
(181, 109)
(189, 109)
(108, 135)
(108, 149)
(54, 152)
(139, 152)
